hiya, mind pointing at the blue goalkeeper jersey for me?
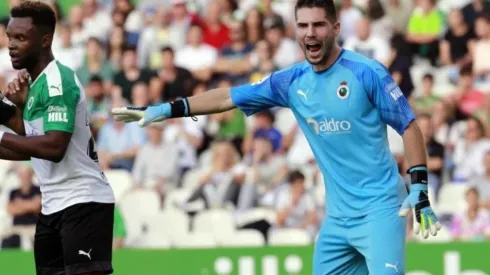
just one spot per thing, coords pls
(343, 112)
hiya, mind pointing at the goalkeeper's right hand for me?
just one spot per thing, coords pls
(144, 115)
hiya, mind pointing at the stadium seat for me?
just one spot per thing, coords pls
(452, 198)
(176, 197)
(216, 222)
(242, 238)
(153, 240)
(254, 215)
(289, 237)
(134, 206)
(169, 222)
(194, 240)
(191, 178)
(120, 181)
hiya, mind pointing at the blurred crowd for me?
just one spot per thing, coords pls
(155, 51)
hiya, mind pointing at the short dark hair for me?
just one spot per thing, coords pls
(327, 5)
(129, 48)
(296, 175)
(167, 49)
(428, 76)
(466, 70)
(96, 79)
(42, 14)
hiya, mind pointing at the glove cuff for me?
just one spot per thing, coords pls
(179, 108)
(418, 174)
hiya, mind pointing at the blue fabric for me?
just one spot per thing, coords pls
(343, 112)
(373, 244)
(113, 141)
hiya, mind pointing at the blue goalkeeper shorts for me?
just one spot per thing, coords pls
(373, 244)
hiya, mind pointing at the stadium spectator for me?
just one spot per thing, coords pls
(474, 223)
(24, 204)
(298, 151)
(98, 104)
(115, 47)
(424, 28)
(263, 126)
(435, 152)
(97, 20)
(173, 81)
(139, 95)
(67, 53)
(454, 47)
(131, 73)
(262, 62)
(254, 26)
(181, 18)
(220, 182)
(197, 57)
(230, 125)
(95, 64)
(215, 32)
(120, 231)
(238, 49)
(284, 49)
(467, 99)
(468, 153)
(424, 104)
(118, 143)
(157, 36)
(368, 43)
(482, 184)
(6, 69)
(187, 136)
(399, 62)
(348, 17)
(265, 173)
(295, 207)
(380, 21)
(474, 9)
(481, 60)
(156, 164)
(75, 19)
(399, 12)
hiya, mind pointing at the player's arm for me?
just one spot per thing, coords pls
(395, 111)
(59, 110)
(250, 98)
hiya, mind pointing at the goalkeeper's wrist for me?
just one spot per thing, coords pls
(418, 174)
(179, 108)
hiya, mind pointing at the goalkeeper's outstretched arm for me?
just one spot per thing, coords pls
(210, 102)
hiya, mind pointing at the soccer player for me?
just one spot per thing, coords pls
(343, 103)
(75, 228)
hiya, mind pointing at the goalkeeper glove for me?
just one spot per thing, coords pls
(418, 200)
(150, 114)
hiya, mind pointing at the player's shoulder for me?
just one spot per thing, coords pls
(59, 77)
(361, 65)
(294, 71)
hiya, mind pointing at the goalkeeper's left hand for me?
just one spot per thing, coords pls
(144, 115)
(418, 200)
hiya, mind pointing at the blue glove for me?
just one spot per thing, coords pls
(144, 115)
(424, 216)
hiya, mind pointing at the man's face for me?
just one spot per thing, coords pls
(167, 58)
(274, 36)
(25, 42)
(363, 29)
(195, 36)
(237, 33)
(96, 89)
(315, 34)
(129, 60)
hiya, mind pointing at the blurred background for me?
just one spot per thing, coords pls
(232, 181)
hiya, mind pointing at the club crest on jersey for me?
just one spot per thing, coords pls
(343, 90)
(30, 103)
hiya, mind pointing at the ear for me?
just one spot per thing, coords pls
(336, 28)
(47, 40)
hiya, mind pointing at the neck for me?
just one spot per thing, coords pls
(41, 64)
(330, 60)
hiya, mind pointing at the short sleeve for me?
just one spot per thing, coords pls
(60, 103)
(388, 98)
(271, 91)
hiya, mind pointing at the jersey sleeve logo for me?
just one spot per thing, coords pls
(394, 91)
(343, 90)
(55, 90)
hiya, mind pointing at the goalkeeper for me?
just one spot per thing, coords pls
(343, 103)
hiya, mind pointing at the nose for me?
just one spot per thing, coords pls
(310, 32)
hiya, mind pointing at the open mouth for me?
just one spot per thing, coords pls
(313, 47)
